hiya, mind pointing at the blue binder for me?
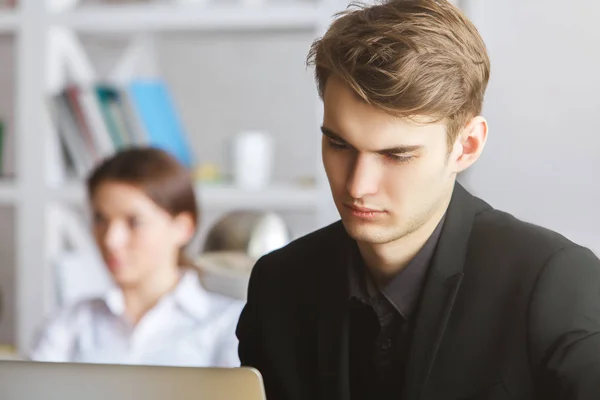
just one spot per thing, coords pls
(159, 119)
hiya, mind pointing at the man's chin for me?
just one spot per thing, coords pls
(362, 233)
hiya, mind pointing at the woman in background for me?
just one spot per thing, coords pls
(145, 212)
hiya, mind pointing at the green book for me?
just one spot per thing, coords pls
(107, 98)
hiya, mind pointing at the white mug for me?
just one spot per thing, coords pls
(252, 160)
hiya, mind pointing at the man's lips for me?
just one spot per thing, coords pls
(363, 209)
(364, 212)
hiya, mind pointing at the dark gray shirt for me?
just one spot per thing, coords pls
(381, 323)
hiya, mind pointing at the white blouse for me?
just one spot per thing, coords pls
(188, 327)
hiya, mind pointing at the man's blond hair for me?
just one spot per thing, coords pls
(410, 58)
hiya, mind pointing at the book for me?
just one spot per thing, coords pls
(107, 98)
(72, 94)
(156, 112)
(73, 141)
(98, 127)
(97, 120)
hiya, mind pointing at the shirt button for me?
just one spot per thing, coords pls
(386, 344)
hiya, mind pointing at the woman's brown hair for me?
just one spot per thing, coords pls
(156, 173)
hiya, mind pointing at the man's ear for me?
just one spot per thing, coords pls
(469, 143)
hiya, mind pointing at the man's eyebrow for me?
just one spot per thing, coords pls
(392, 150)
(332, 135)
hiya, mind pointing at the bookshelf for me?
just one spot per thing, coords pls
(214, 197)
(164, 17)
(36, 192)
(9, 20)
(8, 193)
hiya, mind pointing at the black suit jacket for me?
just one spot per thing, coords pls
(509, 311)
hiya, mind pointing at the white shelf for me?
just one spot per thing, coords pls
(8, 193)
(226, 197)
(277, 197)
(9, 20)
(144, 18)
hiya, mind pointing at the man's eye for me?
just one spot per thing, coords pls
(336, 145)
(98, 219)
(399, 158)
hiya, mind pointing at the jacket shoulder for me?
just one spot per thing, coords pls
(502, 238)
(310, 247)
(493, 224)
(301, 257)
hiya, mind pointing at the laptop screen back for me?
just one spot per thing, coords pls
(68, 381)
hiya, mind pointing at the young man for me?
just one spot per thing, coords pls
(422, 291)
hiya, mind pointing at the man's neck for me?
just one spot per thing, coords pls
(385, 261)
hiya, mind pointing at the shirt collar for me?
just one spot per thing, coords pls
(404, 290)
(189, 295)
(192, 297)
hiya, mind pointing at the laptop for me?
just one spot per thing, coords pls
(29, 380)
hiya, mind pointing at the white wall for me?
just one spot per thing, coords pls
(240, 81)
(542, 160)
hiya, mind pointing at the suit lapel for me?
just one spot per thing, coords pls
(440, 291)
(333, 319)
(436, 306)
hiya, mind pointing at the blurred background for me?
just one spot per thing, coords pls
(227, 79)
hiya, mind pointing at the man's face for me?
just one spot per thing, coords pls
(388, 177)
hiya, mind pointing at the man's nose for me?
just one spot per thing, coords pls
(364, 177)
